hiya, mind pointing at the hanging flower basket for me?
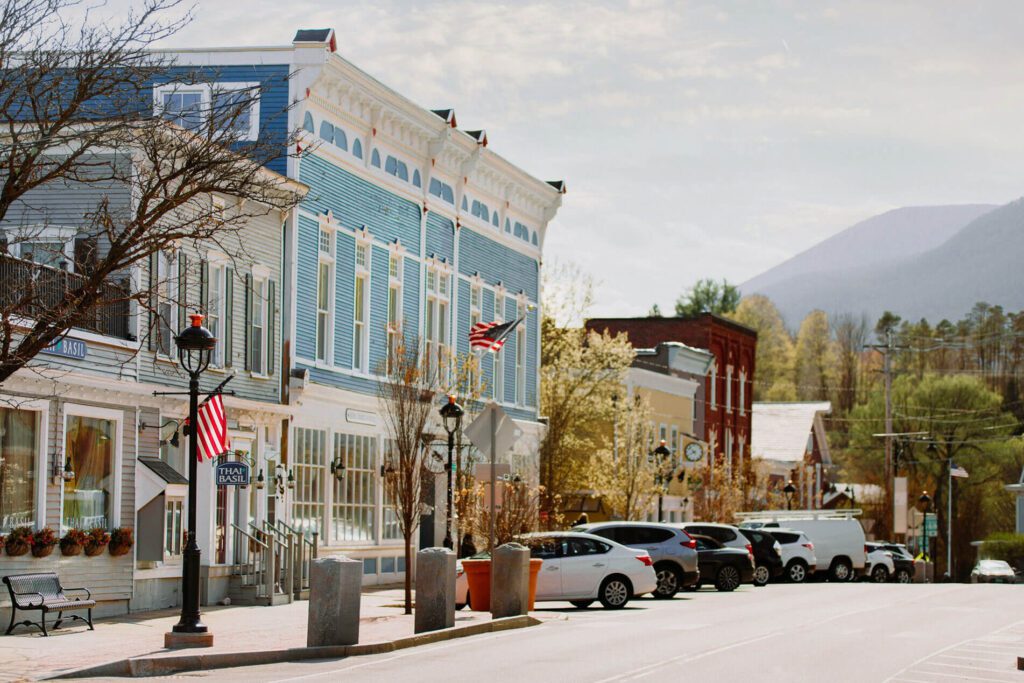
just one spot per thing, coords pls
(96, 542)
(19, 541)
(121, 541)
(73, 542)
(43, 542)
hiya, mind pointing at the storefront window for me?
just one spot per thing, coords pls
(309, 465)
(19, 434)
(355, 497)
(173, 534)
(89, 497)
(391, 530)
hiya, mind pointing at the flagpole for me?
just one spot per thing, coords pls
(949, 522)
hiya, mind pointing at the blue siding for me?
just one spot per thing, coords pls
(344, 296)
(440, 237)
(531, 357)
(411, 298)
(378, 309)
(510, 353)
(305, 296)
(356, 203)
(487, 359)
(494, 262)
(462, 343)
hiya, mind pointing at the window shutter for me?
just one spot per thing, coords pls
(229, 316)
(154, 265)
(271, 324)
(182, 289)
(248, 321)
(204, 285)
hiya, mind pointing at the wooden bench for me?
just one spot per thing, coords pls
(42, 591)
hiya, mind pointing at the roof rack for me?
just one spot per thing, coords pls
(782, 515)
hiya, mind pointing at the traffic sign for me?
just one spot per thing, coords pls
(505, 432)
(931, 525)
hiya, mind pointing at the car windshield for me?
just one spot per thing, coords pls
(994, 564)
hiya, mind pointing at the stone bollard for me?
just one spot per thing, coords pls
(510, 581)
(335, 590)
(435, 589)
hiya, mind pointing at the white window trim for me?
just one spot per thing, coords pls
(714, 387)
(170, 281)
(261, 274)
(363, 240)
(326, 224)
(728, 389)
(207, 90)
(522, 335)
(42, 450)
(217, 260)
(63, 235)
(742, 396)
(115, 416)
(395, 282)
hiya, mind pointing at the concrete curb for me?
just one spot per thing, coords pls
(162, 666)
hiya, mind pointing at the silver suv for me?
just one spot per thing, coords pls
(673, 550)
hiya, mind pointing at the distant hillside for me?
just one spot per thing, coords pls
(979, 262)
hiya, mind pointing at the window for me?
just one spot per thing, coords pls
(324, 302)
(340, 139)
(19, 451)
(183, 108)
(307, 122)
(674, 444)
(475, 317)
(215, 311)
(499, 371)
(394, 302)
(416, 178)
(743, 392)
(232, 107)
(308, 465)
(714, 387)
(521, 356)
(355, 496)
(375, 159)
(728, 389)
(325, 241)
(327, 131)
(165, 288)
(258, 333)
(232, 110)
(357, 148)
(396, 168)
(442, 190)
(89, 497)
(437, 322)
(362, 255)
(495, 221)
(173, 528)
(360, 308)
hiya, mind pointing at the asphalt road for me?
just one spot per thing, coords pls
(815, 632)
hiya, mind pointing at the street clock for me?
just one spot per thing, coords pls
(694, 452)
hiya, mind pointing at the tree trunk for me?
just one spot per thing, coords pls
(408, 573)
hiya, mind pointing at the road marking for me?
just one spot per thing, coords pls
(962, 644)
(972, 668)
(1000, 658)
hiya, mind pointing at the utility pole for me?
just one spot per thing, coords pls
(887, 349)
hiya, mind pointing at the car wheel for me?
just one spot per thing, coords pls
(581, 604)
(840, 571)
(728, 578)
(762, 575)
(879, 574)
(668, 581)
(615, 592)
(903, 576)
(796, 572)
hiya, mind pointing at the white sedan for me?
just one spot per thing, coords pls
(581, 568)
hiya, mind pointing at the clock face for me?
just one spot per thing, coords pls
(694, 452)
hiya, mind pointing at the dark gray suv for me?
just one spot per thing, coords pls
(673, 550)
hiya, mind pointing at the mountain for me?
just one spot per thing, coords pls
(980, 261)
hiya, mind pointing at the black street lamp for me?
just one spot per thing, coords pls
(195, 346)
(451, 413)
(789, 490)
(923, 504)
(661, 479)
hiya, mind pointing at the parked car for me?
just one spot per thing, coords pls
(673, 551)
(767, 555)
(726, 534)
(903, 561)
(880, 563)
(726, 567)
(581, 568)
(838, 543)
(798, 558)
(993, 571)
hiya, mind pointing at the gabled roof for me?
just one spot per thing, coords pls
(448, 115)
(478, 135)
(163, 470)
(316, 35)
(780, 431)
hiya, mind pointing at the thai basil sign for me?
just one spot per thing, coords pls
(232, 474)
(68, 348)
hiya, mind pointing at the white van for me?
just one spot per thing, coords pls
(838, 540)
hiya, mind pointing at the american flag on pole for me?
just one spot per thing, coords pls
(957, 471)
(491, 336)
(213, 429)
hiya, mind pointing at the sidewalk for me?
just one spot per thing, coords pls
(27, 655)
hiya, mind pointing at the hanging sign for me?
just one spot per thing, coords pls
(68, 348)
(232, 474)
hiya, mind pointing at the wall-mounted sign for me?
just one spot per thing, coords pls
(68, 348)
(232, 474)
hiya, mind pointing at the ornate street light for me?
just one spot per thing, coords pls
(451, 414)
(924, 502)
(789, 490)
(195, 347)
(663, 454)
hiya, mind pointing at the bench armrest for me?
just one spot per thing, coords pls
(18, 596)
(88, 593)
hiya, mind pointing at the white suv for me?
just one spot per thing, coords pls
(879, 562)
(798, 558)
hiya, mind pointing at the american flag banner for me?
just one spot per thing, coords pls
(491, 336)
(213, 429)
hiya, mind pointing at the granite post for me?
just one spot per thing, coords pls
(435, 589)
(510, 581)
(335, 590)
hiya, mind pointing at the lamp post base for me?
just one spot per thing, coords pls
(175, 641)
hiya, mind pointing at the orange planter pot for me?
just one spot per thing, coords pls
(535, 565)
(478, 575)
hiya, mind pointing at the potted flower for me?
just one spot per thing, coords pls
(43, 542)
(121, 541)
(19, 541)
(96, 541)
(73, 542)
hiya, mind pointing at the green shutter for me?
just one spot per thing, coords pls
(182, 290)
(154, 265)
(271, 325)
(204, 286)
(248, 320)
(229, 316)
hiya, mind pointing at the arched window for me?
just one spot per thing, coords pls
(533, 239)
(340, 139)
(495, 221)
(416, 178)
(326, 131)
(435, 187)
(403, 171)
(390, 165)
(508, 225)
(465, 206)
(357, 148)
(307, 122)
(375, 159)
(447, 194)
(485, 213)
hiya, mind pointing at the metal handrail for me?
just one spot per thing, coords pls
(249, 536)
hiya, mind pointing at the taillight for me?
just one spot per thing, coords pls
(646, 559)
(691, 544)
(750, 550)
(809, 545)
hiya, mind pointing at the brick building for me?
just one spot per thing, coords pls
(728, 386)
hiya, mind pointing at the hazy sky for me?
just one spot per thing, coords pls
(697, 138)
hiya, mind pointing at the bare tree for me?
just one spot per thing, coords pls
(407, 393)
(851, 333)
(518, 513)
(627, 481)
(78, 117)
